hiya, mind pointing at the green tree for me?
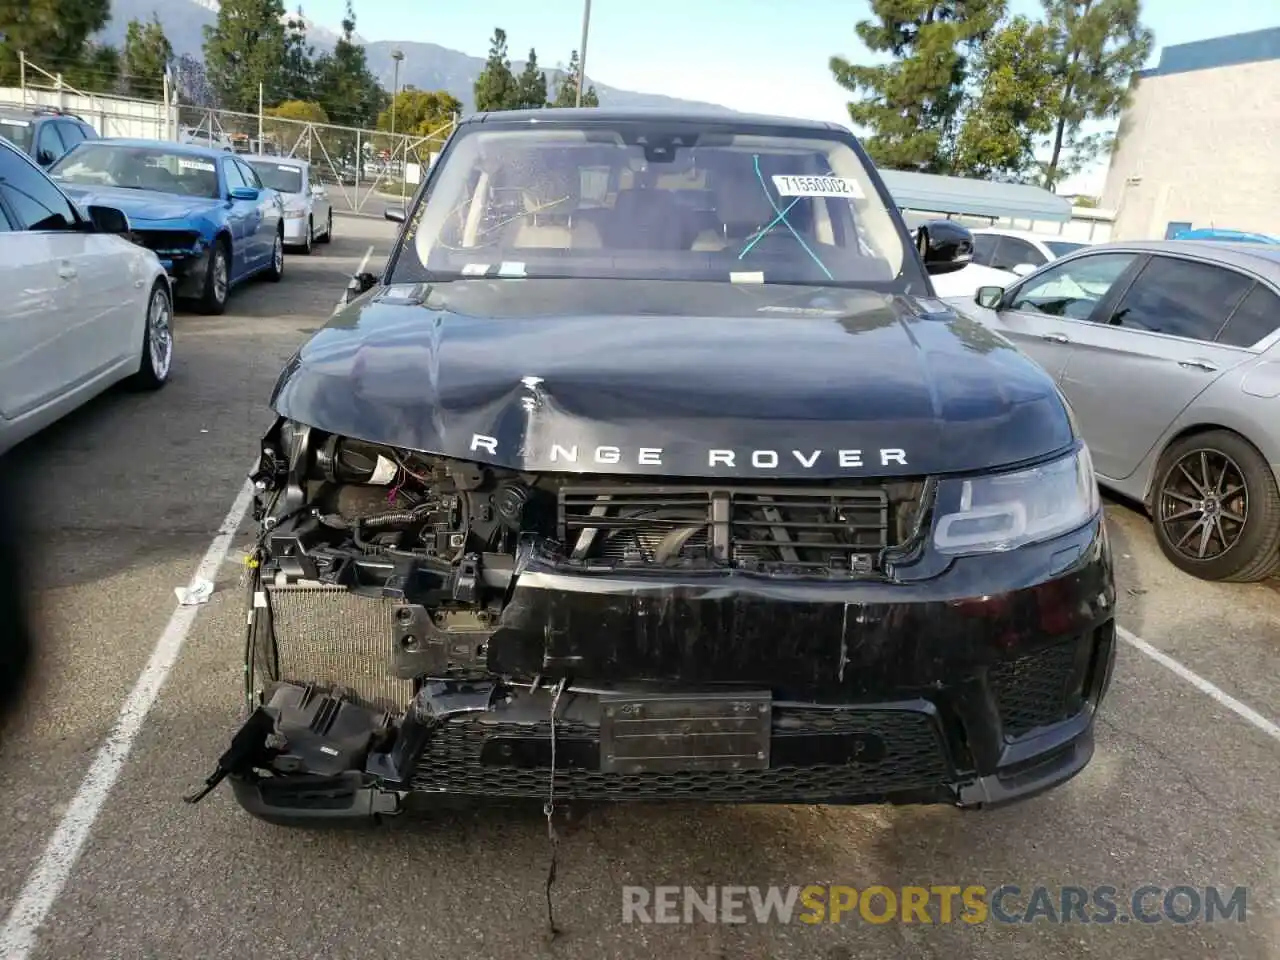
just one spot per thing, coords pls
(53, 34)
(912, 105)
(298, 70)
(344, 85)
(245, 49)
(1007, 118)
(420, 113)
(97, 70)
(147, 54)
(531, 85)
(567, 88)
(1099, 45)
(288, 123)
(496, 88)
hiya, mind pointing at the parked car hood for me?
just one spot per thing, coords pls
(665, 378)
(141, 204)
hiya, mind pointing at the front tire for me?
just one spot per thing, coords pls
(275, 273)
(309, 245)
(217, 280)
(157, 341)
(328, 229)
(1216, 508)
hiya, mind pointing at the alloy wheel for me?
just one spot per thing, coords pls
(160, 333)
(277, 254)
(1203, 504)
(219, 276)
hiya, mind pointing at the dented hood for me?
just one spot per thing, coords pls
(674, 379)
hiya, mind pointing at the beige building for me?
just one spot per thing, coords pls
(1200, 144)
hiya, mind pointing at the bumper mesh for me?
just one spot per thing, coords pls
(913, 760)
(330, 636)
(1039, 689)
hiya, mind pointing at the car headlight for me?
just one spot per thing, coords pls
(1003, 511)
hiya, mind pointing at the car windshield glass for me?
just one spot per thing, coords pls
(1060, 248)
(644, 200)
(138, 168)
(279, 176)
(17, 132)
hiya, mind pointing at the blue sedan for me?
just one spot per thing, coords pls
(203, 211)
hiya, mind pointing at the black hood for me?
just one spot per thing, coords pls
(674, 379)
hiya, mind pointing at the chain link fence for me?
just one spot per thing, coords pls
(360, 165)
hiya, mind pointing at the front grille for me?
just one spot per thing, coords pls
(913, 759)
(167, 243)
(1039, 689)
(811, 527)
(332, 637)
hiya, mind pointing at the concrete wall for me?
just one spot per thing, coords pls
(1206, 147)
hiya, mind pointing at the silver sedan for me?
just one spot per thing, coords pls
(308, 212)
(1169, 354)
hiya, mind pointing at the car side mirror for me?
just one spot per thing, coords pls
(394, 214)
(108, 220)
(45, 158)
(944, 246)
(317, 190)
(360, 284)
(1024, 269)
(244, 193)
(988, 297)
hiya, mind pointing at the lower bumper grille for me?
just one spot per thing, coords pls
(912, 759)
(1041, 688)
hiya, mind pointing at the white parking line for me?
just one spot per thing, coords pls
(364, 262)
(1244, 711)
(45, 883)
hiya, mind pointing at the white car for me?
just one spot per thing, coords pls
(206, 138)
(308, 214)
(83, 307)
(1000, 257)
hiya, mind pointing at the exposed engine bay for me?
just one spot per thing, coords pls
(446, 541)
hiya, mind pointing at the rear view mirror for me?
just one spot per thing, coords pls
(394, 214)
(988, 297)
(1023, 269)
(944, 245)
(108, 220)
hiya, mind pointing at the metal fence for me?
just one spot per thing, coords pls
(359, 164)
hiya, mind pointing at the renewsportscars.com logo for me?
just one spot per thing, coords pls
(938, 904)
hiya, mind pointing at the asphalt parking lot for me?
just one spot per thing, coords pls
(125, 499)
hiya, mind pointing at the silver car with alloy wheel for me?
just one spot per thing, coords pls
(83, 308)
(1169, 355)
(308, 212)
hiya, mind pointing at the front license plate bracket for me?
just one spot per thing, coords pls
(662, 733)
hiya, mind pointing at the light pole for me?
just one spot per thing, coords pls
(397, 55)
(582, 57)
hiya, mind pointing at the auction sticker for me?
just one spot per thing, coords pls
(789, 186)
(196, 165)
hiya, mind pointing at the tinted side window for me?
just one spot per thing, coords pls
(71, 133)
(1072, 289)
(234, 177)
(38, 204)
(1180, 297)
(49, 146)
(984, 245)
(1257, 317)
(1011, 251)
(5, 226)
(88, 132)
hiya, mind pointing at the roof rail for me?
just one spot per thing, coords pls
(47, 111)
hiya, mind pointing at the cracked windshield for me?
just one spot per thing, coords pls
(725, 480)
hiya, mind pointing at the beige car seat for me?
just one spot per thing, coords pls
(551, 195)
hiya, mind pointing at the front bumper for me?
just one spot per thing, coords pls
(973, 688)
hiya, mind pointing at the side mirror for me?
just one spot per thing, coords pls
(360, 284)
(244, 193)
(944, 245)
(394, 214)
(1024, 269)
(108, 220)
(45, 158)
(988, 297)
(317, 190)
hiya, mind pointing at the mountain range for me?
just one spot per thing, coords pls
(427, 66)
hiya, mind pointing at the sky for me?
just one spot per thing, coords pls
(766, 56)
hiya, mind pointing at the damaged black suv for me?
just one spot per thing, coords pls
(652, 469)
